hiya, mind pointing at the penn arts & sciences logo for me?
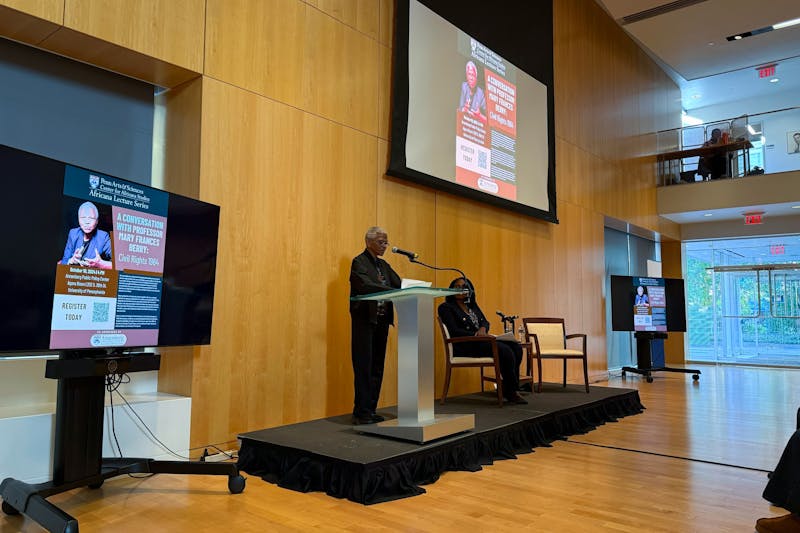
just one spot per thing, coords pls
(94, 181)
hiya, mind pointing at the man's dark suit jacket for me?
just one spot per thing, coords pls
(364, 280)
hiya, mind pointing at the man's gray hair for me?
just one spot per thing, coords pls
(373, 232)
(89, 205)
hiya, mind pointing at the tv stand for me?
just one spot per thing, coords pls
(78, 446)
(644, 358)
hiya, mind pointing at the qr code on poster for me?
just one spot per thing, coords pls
(100, 311)
(482, 159)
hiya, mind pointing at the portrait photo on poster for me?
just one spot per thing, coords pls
(793, 142)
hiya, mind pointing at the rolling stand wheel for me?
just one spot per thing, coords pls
(235, 484)
(695, 377)
(8, 509)
(96, 485)
(649, 379)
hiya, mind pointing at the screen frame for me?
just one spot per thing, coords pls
(30, 348)
(540, 68)
(621, 291)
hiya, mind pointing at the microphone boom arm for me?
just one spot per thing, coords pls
(439, 268)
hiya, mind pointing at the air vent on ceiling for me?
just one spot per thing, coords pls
(659, 10)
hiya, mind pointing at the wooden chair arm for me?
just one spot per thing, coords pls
(579, 336)
(477, 338)
(533, 342)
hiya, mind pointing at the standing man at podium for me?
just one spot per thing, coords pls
(370, 321)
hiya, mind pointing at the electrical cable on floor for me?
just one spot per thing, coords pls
(666, 455)
(164, 446)
(113, 383)
(130, 408)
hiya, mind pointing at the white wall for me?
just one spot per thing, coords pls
(26, 436)
(776, 127)
(749, 106)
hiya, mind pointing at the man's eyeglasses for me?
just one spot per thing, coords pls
(382, 243)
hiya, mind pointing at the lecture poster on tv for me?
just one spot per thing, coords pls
(649, 304)
(109, 274)
(486, 121)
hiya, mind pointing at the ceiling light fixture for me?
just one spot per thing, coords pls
(774, 80)
(785, 24)
(709, 215)
(765, 29)
(796, 207)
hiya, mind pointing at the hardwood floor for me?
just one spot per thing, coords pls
(695, 460)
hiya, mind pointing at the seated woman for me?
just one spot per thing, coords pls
(463, 318)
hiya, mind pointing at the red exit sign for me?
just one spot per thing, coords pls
(752, 219)
(766, 72)
(776, 249)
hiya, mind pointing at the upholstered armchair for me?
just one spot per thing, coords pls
(547, 339)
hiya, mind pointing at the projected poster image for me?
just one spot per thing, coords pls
(486, 123)
(474, 119)
(109, 275)
(649, 305)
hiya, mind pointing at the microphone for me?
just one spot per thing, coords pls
(411, 255)
(507, 320)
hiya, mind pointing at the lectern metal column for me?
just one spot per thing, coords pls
(416, 420)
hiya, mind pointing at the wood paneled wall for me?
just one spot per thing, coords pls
(672, 267)
(292, 110)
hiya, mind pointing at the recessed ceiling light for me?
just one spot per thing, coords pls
(774, 80)
(796, 207)
(709, 215)
(711, 44)
(737, 37)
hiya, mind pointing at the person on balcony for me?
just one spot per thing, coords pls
(714, 165)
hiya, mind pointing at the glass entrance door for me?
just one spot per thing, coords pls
(757, 318)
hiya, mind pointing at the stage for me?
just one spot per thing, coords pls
(332, 456)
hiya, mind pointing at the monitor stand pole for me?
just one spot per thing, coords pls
(644, 358)
(77, 455)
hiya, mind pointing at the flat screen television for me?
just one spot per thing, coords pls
(473, 101)
(97, 262)
(647, 304)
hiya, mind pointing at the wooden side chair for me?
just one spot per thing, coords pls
(547, 339)
(466, 362)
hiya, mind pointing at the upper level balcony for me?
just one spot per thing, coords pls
(751, 164)
(749, 145)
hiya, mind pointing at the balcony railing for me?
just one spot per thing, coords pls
(764, 143)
